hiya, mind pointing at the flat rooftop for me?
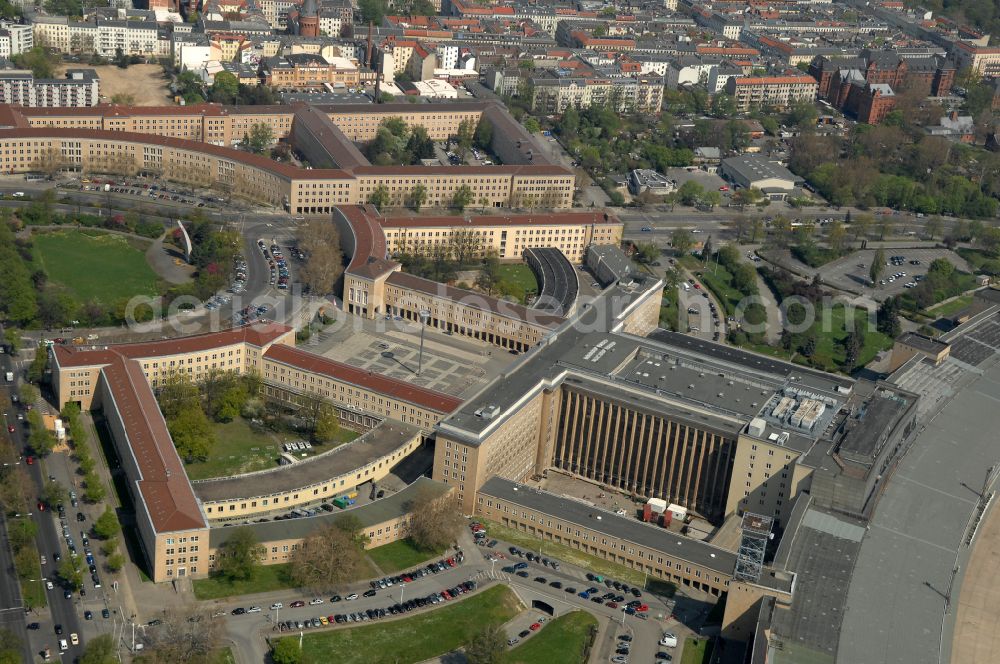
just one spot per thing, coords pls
(718, 385)
(392, 506)
(380, 441)
(610, 524)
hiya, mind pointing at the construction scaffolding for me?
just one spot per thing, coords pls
(755, 533)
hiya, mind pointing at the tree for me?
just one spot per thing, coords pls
(99, 650)
(647, 252)
(352, 525)
(177, 394)
(38, 366)
(466, 133)
(115, 562)
(706, 249)
(239, 556)
(531, 125)
(724, 106)
(887, 317)
(12, 336)
(94, 492)
(418, 196)
(69, 572)
(187, 634)
(835, 236)
(324, 263)
(690, 192)
(39, 60)
(852, 348)
(681, 241)
(462, 197)
(434, 523)
(487, 646)
(327, 558)
(192, 433)
(933, 226)
(379, 197)
(372, 11)
(484, 134)
(41, 440)
(54, 493)
(489, 274)
(260, 138)
(107, 525)
(877, 266)
(286, 651)
(327, 425)
(745, 279)
(711, 199)
(225, 88)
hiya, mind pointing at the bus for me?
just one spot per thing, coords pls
(34, 177)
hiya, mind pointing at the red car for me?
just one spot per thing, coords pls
(30, 460)
(723, 188)
(612, 605)
(642, 607)
(297, 603)
(535, 627)
(697, 285)
(41, 506)
(10, 428)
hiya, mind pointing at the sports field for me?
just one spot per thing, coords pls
(95, 266)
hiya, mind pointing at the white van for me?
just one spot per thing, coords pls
(669, 640)
(687, 286)
(63, 646)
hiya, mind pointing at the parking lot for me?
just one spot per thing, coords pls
(851, 272)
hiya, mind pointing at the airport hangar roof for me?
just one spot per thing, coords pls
(709, 379)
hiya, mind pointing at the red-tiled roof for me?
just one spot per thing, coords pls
(418, 396)
(541, 219)
(369, 240)
(259, 334)
(163, 484)
(515, 169)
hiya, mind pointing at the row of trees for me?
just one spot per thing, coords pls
(416, 197)
(900, 168)
(333, 554)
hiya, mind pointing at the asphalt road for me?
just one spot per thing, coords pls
(62, 611)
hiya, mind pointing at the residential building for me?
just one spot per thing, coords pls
(80, 87)
(755, 92)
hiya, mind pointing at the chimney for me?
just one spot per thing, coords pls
(368, 51)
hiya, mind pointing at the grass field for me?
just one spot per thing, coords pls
(413, 639)
(718, 280)
(239, 448)
(830, 333)
(696, 651)
(268, 578)
(276, 577)
(520, 274)
(950, 308)
(223, 656)
(579, 558)
(401, 555)
(104, 267)
(562, 641)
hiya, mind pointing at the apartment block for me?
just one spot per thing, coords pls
(754, 92)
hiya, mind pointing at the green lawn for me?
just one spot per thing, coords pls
(830, 333)
(223, 656)
(400, 555)
(718, 280)
(696, 651)
(520, 274)
(268, 578)
(241, 448)
(562, 641)
(32, 592)
(576, 557)
(951, 308)
(413, 639)
(106, 267)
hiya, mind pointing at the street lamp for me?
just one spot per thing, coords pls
(424, 316)
(401, 588)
